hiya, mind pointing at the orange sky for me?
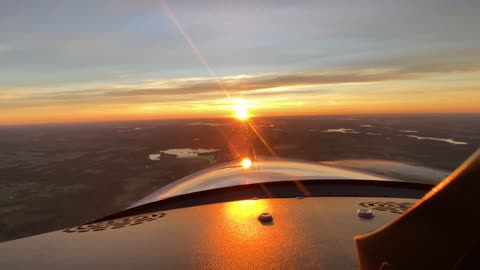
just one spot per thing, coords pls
(127, 61)
(441, 94)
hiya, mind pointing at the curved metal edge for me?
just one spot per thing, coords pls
(282, 189)
(261, 172)
(436, 233)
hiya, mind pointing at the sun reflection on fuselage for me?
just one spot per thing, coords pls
(242, 214)
(246, 163)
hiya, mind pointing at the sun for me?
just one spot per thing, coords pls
(241, 112)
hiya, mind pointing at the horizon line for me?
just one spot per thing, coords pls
(228, 117)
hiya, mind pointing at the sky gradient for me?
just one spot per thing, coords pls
(68, 61)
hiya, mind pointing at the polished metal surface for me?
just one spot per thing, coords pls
(316, 232)
(233, 174)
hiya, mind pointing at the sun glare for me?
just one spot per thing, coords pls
(246, 163)
(241, 112)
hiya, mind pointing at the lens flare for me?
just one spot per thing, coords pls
(246, 163)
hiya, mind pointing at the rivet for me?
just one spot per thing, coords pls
(265, 217)
(365, 213)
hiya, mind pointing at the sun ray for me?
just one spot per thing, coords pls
(173, 18)
(265, 143)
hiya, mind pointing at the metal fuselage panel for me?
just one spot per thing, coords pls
(314, 232)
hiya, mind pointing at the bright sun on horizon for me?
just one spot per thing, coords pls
(241, 112)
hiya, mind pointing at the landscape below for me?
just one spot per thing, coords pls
(56, 176)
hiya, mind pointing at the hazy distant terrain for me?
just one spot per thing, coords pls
(55, 176)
